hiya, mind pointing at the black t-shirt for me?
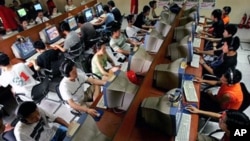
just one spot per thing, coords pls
(228, 62)
(140, 20)
(117, 14)
(218, 29)
(47, 59)
(222, 41)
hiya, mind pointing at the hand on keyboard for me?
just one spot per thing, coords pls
(197, 50)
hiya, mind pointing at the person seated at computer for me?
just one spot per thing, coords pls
(40, 17)
(71, 39)
(16, 5)
(23, 26)
(217, 28)
(55, 13)
(69, 5)
(229, 58)
(229, 121)
(48, 59)
(116, 12)
(34, 124)
(133, 31)
(153, 6)
(88, 32)
(119, 42)
(19, 76)
(72, 88)
(225, 14)
(100, 60)
(229, 96)
(142, 20)
(108, 18)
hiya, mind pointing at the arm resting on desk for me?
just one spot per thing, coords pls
(78, 107)
(61, 121)
(195, 110)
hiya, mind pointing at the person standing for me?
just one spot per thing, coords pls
(134, 7)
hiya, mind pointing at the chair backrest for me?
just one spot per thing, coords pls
(75, 51)
(246, 97)
(59, 95)
(9, 135)
(40, 90)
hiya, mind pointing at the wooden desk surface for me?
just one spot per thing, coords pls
(129, 129)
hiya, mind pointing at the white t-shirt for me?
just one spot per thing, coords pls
(120, 43)
(69, 7)
(39, 20)
(20, 78)
(39, 131)
(73, 89)
(132, 31)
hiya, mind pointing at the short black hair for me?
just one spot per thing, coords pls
(231, 29)
(39, 45)
(2, 2)
(130, 17)
(236, 120)
(4, 59)
(64, 26)
(227, 9)
(105, 8)
(145, 9)
(236, 75)
(152, 3)
(235, 43)
(66, 67)
(101, 42)
(80, 19)
(111, 3)
(26, 109)
(217, 13)
(115, 26)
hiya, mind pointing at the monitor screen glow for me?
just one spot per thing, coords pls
(38, 6)
(21, 12)
(72, 23)
(25, 49)
(52, 34)
(88, 15)
(99, 9)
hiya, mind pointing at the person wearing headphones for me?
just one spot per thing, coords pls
(33, 124)
(229, 58)
(19, 76)
(141, 19)
(72, 88)
(100, 60)
(229, 96)
(229, 122)
(225, 12)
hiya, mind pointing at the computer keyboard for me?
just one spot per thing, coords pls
(124, 66)
(100, 103)
(94, 20)
(199, 29)
(33, 57)
(189, 90)
(72, 128)
(78, 30)
(184, 128)
(195, 61)
(197, 42)
(202, 20)
(59, 42)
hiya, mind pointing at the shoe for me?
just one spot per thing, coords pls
(243, 20)
(247, 25)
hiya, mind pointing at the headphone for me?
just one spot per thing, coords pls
(66, 67)
(230, 76)
(20, 39)
(230, 48)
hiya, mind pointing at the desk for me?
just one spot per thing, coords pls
(129, 130)
(88, 130)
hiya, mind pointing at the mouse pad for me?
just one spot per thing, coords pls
(185, 110)
(100, 111)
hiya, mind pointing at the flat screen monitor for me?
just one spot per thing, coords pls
(72, 23)
(38, 7)
(24, 49)
(169, 76)
(21, 12)
(118, 92)
(88, 15)
(99, 10)
(52, 34)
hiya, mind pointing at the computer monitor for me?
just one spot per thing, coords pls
(162, 114)
(118, 92)
(139, 60)
(152, 44)
(190, 49)
(169, 76)
(21, 13)
(72, 23)
(99, 10)
(88, 15)
(23, 49)
(162, 27)
(181, 31)
(38, 7)
(51, 34)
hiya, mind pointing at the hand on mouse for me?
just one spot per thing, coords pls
(192, 109)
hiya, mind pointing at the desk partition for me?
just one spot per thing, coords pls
(33, 32)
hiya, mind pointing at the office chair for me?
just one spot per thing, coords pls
(245, 104)
(9, 135)
(40, 91)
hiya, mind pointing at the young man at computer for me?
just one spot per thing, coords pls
(116, 12)
(119, 42)
(142, 19)
(100, 60)
(34, 124)
(40, 17)
(108, 18)
(72, 88)
(19, 76)
(228, 56)
(229, 122)
(229, 96)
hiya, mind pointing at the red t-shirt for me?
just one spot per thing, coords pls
(8, 17)
(134, 5)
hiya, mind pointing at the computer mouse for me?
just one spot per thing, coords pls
(185, 109)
